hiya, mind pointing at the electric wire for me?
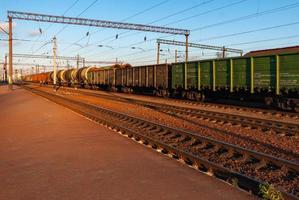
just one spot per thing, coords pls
(159, 19)
(125, 19)
(206, 12)
(282, 8)
(48, 27)
(209, 11)
(287, 7)
(270, 11)
(266, 40)
(250, 31)
(64, 27)
(163, 18)
(82, 12)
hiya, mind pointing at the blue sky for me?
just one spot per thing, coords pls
(209, 20)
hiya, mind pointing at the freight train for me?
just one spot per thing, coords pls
(268, 76)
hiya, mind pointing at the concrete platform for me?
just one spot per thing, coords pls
(49, 152)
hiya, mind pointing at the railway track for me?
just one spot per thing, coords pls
(252, 109)
(281, 128)
(265, 111)
(243, 167)
(233, 137)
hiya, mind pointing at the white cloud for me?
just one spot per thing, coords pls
(34, 33)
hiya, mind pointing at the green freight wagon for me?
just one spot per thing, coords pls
(240, 75)
(271, 78)
(289, 73)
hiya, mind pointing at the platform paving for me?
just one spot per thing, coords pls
(50, 152)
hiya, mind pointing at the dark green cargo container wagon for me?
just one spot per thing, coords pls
(177, 75)
(289, 73)
(240, 74)
(206, 75)
(273, 78)
(192, 75)
(222, 74)
(264, 73)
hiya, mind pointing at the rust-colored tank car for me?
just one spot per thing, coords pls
(60, 76)
(69, 76)
(78, 75)
(50, 78)
(74, 75)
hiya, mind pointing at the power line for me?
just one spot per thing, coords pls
(94, 2)
(267, 46)
(66, 11)
(182, 11)
(160, 19)
(261, 41)
(250, 31)
(286, 7)
(167, 16)
(209, 11)
(133, 44)
(125, 19)
(251, 42)
(266, 40)
(75, 2)
(283, 8)
(82, 12)
(236, 44)
(3, 30)
(77, 16)
(259, 14)
(33, 41)
(23, 40)
(67, 25)
(206, 12)
(42, 46)
(135, 53)
(145, 10)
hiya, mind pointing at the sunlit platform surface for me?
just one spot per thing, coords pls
(50, 152)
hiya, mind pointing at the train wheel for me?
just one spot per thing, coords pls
(268, 101)
(164, 93)
(284, 106)
(197, 96)
(203, 97)
(183, 94)
(189, 95)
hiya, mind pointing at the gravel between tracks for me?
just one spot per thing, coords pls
(208, 107)
(269, 143)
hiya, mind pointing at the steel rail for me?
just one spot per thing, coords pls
(176, 144)
(283, 128)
